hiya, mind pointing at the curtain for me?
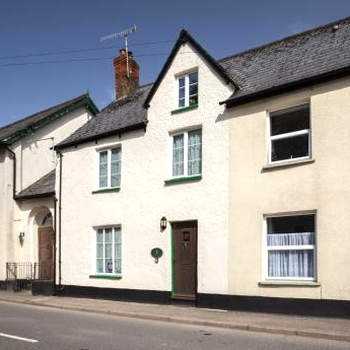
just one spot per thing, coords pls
(115, 167)
(195, 152)
(117, 251)
(103, 169)
(178, 155)
(291, 263)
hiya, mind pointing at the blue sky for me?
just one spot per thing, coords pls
(36, 27)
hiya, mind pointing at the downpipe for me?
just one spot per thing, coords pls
(60, 287)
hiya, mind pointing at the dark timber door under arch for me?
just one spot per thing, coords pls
(45, 253)
(185, 260)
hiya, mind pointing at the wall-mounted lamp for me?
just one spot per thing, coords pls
(163, 223)
(21, 238)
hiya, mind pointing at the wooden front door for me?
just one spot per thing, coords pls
(185, 260)
(45, 253)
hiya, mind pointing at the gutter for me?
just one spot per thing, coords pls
(13, 154)
(338, 73)
(33, 196)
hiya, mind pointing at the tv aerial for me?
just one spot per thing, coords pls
(123, 34)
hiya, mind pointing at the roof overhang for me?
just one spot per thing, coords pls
(317, 79)
(85, 101)
(120, 131)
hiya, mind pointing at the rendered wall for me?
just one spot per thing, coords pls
(34, 159)
(144, 198)
(323, 186)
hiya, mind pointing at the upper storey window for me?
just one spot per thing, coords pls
(109, 168)
(188, 90)
(289, 134)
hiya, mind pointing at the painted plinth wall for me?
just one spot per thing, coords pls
(144, 198)
(322, 186)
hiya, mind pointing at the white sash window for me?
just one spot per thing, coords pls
(188, 90)
(290, 247)
(109, 168)
(187, 153)
(108, 250)
(289, 134)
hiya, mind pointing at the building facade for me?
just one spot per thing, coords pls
(223, 183)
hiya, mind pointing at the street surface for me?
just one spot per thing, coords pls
(33, 327)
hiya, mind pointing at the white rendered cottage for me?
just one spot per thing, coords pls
(27, 188)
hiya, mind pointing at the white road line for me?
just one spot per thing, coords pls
(18, 338)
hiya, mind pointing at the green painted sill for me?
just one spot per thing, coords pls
(184, 109)
(106, 277)
(183, 179)
(105, 190)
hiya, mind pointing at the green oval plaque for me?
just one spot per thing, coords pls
(156, 254)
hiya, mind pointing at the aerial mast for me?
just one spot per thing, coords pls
(123, 34)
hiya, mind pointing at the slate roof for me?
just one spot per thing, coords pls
(307, 57)
(33, 121)
(119, 116)
(44, 187)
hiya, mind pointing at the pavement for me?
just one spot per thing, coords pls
(312, 327)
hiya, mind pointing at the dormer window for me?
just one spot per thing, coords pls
(188, 90)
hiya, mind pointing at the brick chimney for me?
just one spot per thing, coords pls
(124, 85)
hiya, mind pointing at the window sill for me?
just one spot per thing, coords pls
(105, 190)
(289, 283)
(183, 179)
(106, 277)
(184, 109)
(287, 164)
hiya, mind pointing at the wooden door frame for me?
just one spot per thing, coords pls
(172, 246)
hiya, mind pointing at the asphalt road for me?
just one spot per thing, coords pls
(33, 327)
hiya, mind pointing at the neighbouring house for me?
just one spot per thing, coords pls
(222, 184)
(27, 189)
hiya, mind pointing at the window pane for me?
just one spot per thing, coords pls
(108, 251)
(182, 102)
(103, 169)
(99, 265)
(117, 250)
(193, 90)
(108, 235)
(291, 224)
(178, 155)
(181, 82)
(289, 120)
(194, 152)
(290, 148)
(287, 239)
(99, 236)
(193, 77)
(115, 167)
(99, 251)
(118, 266)
(291, 263)
(109, 266)
(193, 100)
(182, 93)
(117, 236)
